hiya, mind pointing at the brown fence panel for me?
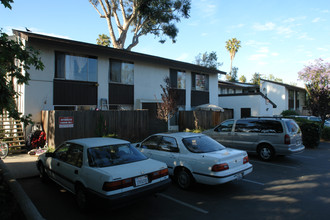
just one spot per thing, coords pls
(129, 125)
(202, 119)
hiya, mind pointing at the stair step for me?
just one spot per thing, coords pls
(17, 141)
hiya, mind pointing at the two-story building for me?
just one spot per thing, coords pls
(84, 76)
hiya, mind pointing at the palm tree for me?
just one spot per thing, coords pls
(232, 45)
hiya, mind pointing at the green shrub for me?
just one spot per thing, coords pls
(325, 135)
(311, 133)
(287, 113)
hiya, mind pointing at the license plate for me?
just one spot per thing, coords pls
(141, 180)
(239, 176)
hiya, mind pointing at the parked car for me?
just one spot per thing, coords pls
(310, 118)
(196, 157)
(327, 123)
(106, 168)
(266, 136)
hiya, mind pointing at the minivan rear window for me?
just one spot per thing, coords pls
(292, 126)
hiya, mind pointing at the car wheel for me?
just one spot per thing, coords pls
(266, 152)
(81, 197)
(42, 172)
(184, 179)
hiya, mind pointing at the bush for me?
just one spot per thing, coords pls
(287, 113)
(325, 135)
(311, 133)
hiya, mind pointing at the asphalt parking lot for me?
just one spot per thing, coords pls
(291, 187)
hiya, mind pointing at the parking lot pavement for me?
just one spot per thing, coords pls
(291, 187)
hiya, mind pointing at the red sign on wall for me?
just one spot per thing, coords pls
(65, 122)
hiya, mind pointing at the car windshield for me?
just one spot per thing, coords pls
(111, 155)
(292, 126)
(202, 144)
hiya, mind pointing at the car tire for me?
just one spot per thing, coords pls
(42, 172)
(266, 152)
(184, 179)
(82, 198)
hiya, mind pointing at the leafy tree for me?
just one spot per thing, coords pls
(232, 45)
(15, 62)
(242, 79)
(271, 77)
(232, 76)
(157, 17)
(209, 60)
(168, 107)
(103, 40)
(6, 3)
(256, 79)
(317, 81)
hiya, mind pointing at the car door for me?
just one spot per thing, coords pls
(65, 164)
(70, 168)
(246, 134)
(223, 133)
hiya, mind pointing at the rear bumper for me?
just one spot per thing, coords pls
(290, 150)
(125, 198)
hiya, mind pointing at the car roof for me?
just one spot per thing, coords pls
(181, 134)
(98, 141)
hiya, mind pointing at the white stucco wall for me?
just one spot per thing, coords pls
(258, 105)
(213, 89)
(277, 94)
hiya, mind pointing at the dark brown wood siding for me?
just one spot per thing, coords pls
(199, 98)
(68, 92)
(121, 94)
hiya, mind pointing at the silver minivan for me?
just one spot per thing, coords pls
(266, 136)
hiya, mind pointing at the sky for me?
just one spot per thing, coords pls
(278, 37)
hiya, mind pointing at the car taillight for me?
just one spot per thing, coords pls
(220, 167)
(245, 159)
(286, 139)
(110, 186)
(159, 174)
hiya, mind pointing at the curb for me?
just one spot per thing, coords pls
(28, 208)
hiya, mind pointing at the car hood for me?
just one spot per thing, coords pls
(128, 170)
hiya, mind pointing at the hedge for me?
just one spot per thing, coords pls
(311, 132)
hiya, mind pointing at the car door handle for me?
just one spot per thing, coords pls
(75, 171)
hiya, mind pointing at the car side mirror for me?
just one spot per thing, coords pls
(138, 145)
(49, 154)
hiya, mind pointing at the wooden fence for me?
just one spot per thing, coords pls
(65, 125)
(202, 119)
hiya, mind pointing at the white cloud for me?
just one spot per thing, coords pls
(284, 31)
(291, 20)
(275, 54)
(263, 50)
(325, 11)
(304, 36)
(254, 43)
(264, 27)
(183, 57)
(322, 49)
(257, 57)
(316, 20)
(204, 34)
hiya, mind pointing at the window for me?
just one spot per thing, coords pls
(70, 153)
(200, 82)
(169, 144)
(258, 126)
(247, 126)
(111, 155)
(177, 79)
(291, 100)
(225, 126)
(121, 72)
(202, 144)
(151, 143)
(78, 68)
(245, 112)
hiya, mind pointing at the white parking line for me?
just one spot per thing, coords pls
(251, 181)
(183, 203)
(272, 164)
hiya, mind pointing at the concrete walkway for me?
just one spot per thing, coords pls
(21, 165)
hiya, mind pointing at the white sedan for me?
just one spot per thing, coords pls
(103, 167)
(196, 157)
